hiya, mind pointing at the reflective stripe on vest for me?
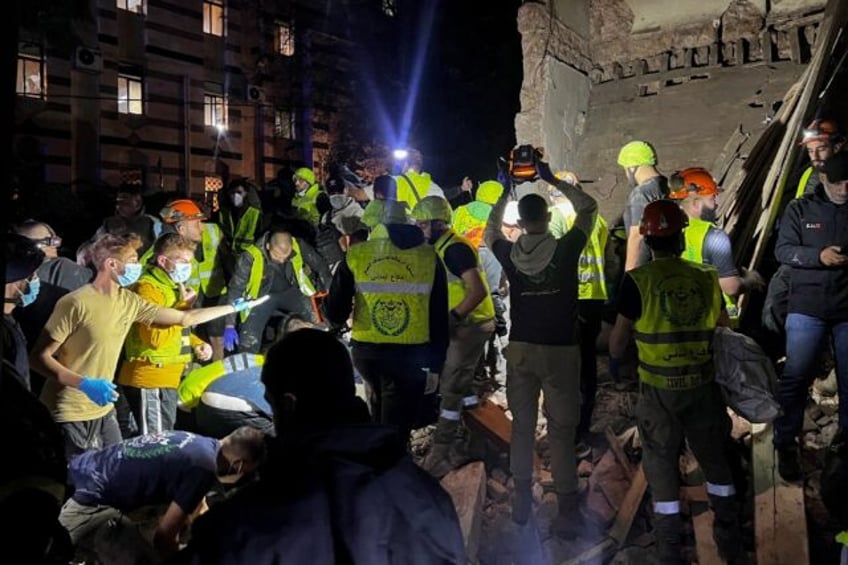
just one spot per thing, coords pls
(210, 272)
(590, 269)
(681, 305)
(175, 351)
(305, 203)
(695, 234)
(485, 310)
(244, 233)
(393, 287)
(802, 184)
(192, 386)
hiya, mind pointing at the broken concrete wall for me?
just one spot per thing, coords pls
(683, 75)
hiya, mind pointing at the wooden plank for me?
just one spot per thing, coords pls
(705, 545)
(618, 451)
(467, 489)
(490, 419)
(629, 507)
(596, 553)
(779, 520)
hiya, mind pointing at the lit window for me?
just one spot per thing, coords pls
(31, 74)
(130, 100)
(212, 185)
(213, 17)
(215, 111)
(136, 6)
(284, 126)
(390, 8)
(284, 39)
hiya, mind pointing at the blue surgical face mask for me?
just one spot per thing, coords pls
(31, 293)
(181, 272)
(131, 273)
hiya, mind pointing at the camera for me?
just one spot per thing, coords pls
(522, 163)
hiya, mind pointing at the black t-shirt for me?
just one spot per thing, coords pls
(15, 349)
(629, 302)
(653, 189)
(459, 258)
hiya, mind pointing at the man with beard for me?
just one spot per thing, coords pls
(821, 139)
(639, 161)
(697, 193)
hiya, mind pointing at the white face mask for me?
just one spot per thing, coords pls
(237, 199)
(181, 272)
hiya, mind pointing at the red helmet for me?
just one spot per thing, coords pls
(662, 218)
(694, 181)
(181, 210)
(821, 130)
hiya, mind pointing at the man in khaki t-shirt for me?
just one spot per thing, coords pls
(79, 348)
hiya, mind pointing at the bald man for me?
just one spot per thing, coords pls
(58, 275)
(287, 269)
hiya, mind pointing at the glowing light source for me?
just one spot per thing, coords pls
(400, 154)
(221, 127)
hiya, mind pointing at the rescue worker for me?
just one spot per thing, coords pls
(22, 258)
(646, 185)
(240, 218)
(156, 358)
(207, 274)
(472, 323)
(130, 217)
(79, 348)
(813, 243)
(591, 295)
(696, 191)
(330, 228)
(309, 200)
(469, 220)
(821, 139)
(543, 353)
(672, 307)
(385, 188)
(413, 184)
(395, 286)
(283, 267)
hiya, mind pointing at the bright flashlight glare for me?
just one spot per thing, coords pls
(400, 154)
(221, 127)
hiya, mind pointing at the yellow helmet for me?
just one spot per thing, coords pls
(489, 192)
(432, 208)
(305, 174)
(636, 154)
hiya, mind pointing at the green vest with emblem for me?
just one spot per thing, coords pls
(243, 234)
(590, 268)
(172, 352)
(412, 187)
(393, 287)
(484, 311)
(306, 204)
(695, 234)
(258, 268)
(681, 305)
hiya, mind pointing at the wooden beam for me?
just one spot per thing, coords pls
(629, 507)
(779, 520)
(705, 545)
(490, 419)
(467, 489)
(595, 554)
(618, 451)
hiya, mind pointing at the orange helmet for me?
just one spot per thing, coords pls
(820, 130)
(181, 210)
(694, 181)
(662, 218)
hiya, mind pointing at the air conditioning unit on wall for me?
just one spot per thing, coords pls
(254, 93)
(88, 60)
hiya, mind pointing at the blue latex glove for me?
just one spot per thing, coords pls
(241, 304)
(614, 368)
(231, 338)
(99, 391)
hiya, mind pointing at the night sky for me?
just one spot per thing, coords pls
(470, 86)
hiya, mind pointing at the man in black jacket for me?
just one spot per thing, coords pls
(543, 352)
(813, 241)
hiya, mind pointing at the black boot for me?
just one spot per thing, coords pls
(726, 530)
(667, 529)
(789, 463)
(522, 501)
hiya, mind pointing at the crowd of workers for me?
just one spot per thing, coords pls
(164, 322)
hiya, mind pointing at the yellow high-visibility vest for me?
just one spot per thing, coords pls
(695, 234)
(306, 204)
(243, 234)
(484, 311)
(681, 305)
(258, 268)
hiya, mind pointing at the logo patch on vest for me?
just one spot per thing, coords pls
(681, 300)
(390, 316)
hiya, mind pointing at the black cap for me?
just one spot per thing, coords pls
(22, 257)
(836, 168)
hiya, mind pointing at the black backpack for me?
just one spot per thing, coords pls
(327, 241)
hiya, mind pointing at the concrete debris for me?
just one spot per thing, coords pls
(826, 387)
(497, 491)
